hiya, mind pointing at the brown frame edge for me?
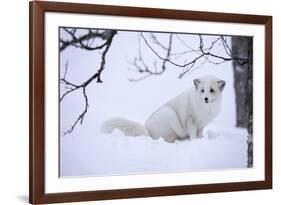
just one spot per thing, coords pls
(37, 194)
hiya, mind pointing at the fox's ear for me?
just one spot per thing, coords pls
(196, 83)
(221, 84)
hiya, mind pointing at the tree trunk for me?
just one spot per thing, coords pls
(243, 84)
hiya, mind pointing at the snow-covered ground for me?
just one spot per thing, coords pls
(88, 152)
(118, 154)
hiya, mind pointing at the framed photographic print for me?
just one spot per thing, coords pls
(139, 102)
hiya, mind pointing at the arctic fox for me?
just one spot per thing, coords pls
(185, 116)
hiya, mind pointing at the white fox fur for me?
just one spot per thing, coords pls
(185, 116)
(128, 127)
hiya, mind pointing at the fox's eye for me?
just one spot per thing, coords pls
(212, 90)
(202, 91)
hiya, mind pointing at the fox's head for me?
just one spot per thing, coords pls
(209, 88)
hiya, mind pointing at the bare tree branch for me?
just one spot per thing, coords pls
(81, 116)
(226, 46)
(84, 42)
(155, 40)
(142, 67)
(202, 53)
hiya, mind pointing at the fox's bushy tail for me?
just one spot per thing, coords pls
(128, 127)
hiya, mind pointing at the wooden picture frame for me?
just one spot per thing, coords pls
(37, 10)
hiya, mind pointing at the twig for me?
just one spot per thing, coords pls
(71, 87)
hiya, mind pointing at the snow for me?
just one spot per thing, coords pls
(87, 152)
(117, 154)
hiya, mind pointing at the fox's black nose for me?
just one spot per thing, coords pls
(206, 99)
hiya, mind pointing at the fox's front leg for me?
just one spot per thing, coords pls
(191, 128)
(199, 132)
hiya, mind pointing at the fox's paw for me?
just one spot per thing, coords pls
(200, 136)
(170, 139)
